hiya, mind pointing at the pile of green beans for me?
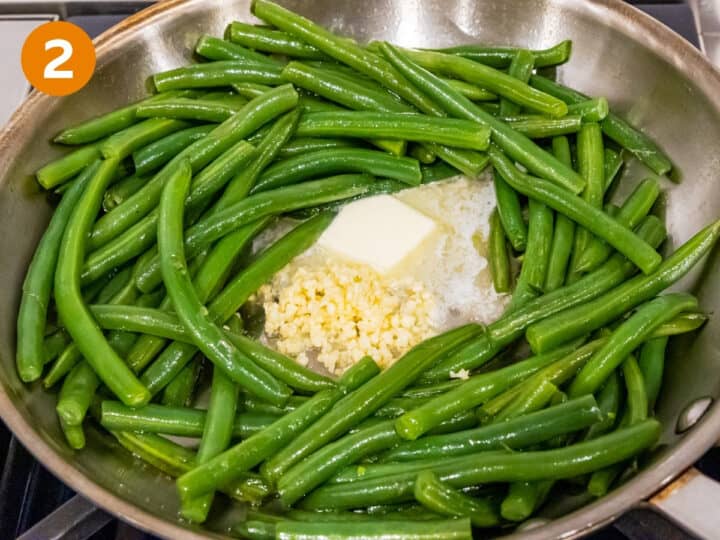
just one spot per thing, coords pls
(132, 302)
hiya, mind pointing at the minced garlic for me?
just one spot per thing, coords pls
(339, 312)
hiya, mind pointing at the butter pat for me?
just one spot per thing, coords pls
(379, 231)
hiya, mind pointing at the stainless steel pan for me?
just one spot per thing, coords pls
(651, 75)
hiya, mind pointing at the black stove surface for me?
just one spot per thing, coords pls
(29, 493)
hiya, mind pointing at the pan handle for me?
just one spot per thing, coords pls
(691, 501)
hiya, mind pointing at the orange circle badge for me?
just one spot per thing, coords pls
(58, 58)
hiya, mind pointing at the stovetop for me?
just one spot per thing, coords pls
(36, 505)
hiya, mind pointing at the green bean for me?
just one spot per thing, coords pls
(452, 529)
(471, 91)
(604, 309)
(613, 163)
(358, 374)
(267, 151)
(404, 126)
(498, 82)
(211, 275)
(141, 235)
(63, 169)
(490, 467)
(635, 207)
(122, 190)
(322, 464)
(270, 261)
(519, 147)
(255, 529)
(279, 365)
(652, 365)
(613, 127)
(174, 460)
(431, 389)
(344, 51)
(125, 142)
(512, 325)
(534, 268)
(498, 254)
(32, 315)
(250, 90)
(190, 310)
(354, 94)
(180, 391)
(521, 67)
(76, 394)
(70, 306)
(65, 362)
(516, 433)
(217, 432)
(531, 399)
(310, 104)
(205, 184)
(200, 110)
(74, 435)
(249, 453)
(591, 165)
(379, 70)
(438, 171)
(234, 295)
(492, 109)
(590, 110)
(510, 211)
(540, 127)
(564, 231)
(271, 41)
(600, 481)
(422, 154)
(500, 57)
(468, 162)
(214, 48)
(398, 406)
(523, 498)
(225, 97)
(609, 404)
(580, 211)
(177, 420)
(216, 175)
(441, 498)
(636, 410)
(94, 289)
(286, 199)
(403, 513)
(251, 404)
(109, 123)
(557, 373)
(160, 152)
(338, 160)
(301, 145)
(628, 336)
(215, 74)
(343, 70)
(637, 398)
(365, 401)
(200, 153)
(53, 345)
(471, 393)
